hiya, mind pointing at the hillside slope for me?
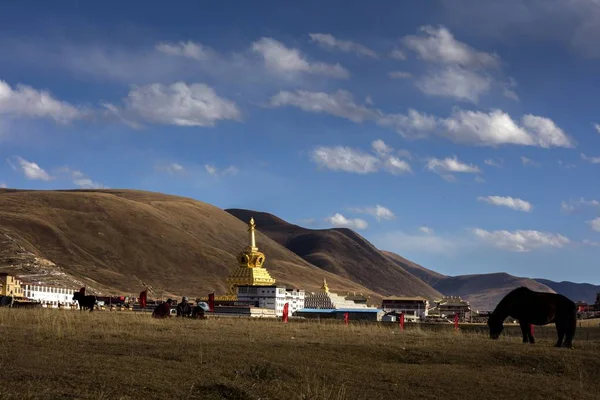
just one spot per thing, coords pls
(343, 252)
(426, 275)
(112, 240)
(575, 291)
(484, 291)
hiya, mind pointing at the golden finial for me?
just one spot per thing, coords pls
(251, 228)
(325, 287)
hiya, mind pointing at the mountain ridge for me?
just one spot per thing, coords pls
(344, 252)
(116, 240)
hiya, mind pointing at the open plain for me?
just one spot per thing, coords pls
(50, 354)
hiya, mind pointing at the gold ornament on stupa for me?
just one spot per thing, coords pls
(325, 287)
(250, 269)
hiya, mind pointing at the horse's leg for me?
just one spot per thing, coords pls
(524, 331)
(569, 328)
(530, 335)
(561, 334)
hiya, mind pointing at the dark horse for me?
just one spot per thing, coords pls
(536, 308)
(84, 301)
(6, 301)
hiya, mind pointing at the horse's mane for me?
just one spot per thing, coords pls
(502, 306)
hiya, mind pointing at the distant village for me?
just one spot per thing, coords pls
(254, 293)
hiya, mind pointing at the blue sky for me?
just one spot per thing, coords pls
(461, 135)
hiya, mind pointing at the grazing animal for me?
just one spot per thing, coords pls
(536, 308)
(6, 301)
(84, 301)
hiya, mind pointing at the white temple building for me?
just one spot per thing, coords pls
(48, 295)
(331, 301)
(272, 297)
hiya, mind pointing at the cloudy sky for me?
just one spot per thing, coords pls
(462, 135)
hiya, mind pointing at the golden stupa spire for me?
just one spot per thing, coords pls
(251, 229)
(250, 269)
(325, 287)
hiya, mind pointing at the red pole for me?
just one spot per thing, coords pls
(456, 321)
(402, 321)
(531, 329)
(346, 318)
(211, 302)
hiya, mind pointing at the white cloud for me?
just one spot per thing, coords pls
(445, 167)
(3, 185)
(528, 161)
(456, 69)
(455, 82)
(340, 104)
(396, 166)
(338, 220)
(597, 127)
(439, 45)
(497, 127)
(307, 221)
(507, 201)
(465, 127)
(379, 212)
(404, 154)
(180, 104)
(279, 58)
(25, 101)
(595, 224)
(87, 183)
(112, 111)
(171, 168)
(545, 132)
(397, 54)
(399, 75)
(587, 242)
(494, 163)
(346, 159)
(565, 165)
(79, 178)
(521, 240)
(427, 230)
(340, 158)
(214, 171)
(30, 169)
(591, 160)
(511, 94)
(425, 243)
(381, 148)
(411, 125)
(329, 41)
(578, 205)
(574, 24)
(189, 49)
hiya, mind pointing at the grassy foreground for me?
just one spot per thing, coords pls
(57, 354)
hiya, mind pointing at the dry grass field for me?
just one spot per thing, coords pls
(59, 354)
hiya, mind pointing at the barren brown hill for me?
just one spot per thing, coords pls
(575, 291)
(484, 291)
(342, 252)
(426, 275)
(113, 240)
